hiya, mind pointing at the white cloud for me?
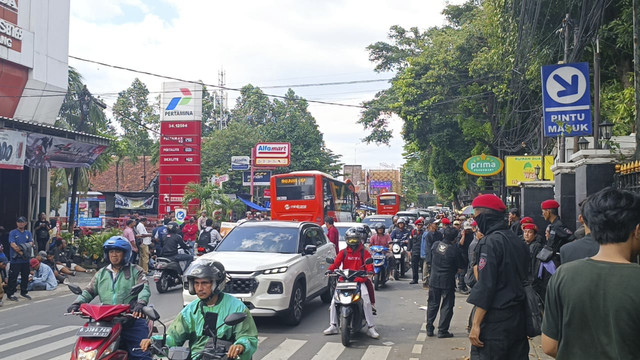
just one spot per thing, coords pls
(259, 42)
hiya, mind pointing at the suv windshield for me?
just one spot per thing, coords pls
(372, 221)
(261, 239)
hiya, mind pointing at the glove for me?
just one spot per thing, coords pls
(328, 272)
(73, 308)
(138, 307)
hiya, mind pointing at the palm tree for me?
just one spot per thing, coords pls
(212, 200)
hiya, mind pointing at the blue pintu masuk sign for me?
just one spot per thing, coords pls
(566, 100)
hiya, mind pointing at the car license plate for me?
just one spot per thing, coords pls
(94, 331)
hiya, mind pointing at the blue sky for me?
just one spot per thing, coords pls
(265, 43)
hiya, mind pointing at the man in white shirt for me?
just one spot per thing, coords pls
(143, 249)
(215, 237)
(202, 220)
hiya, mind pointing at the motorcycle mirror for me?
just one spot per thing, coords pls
(235, 318)
(151, 313)
(368, 261)
(75, 289)
(135, 290)
(329, 260)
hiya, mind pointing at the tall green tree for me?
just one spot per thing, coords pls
(136, 117)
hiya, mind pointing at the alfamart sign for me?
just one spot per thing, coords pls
(483, 165)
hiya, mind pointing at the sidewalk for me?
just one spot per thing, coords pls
(81, 279)
(458, 347)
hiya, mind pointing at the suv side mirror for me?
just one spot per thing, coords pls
(310, 249)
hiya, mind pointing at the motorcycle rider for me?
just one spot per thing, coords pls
(401, 234)
(353, 257)
(207, 280)
(381, 238)
(173, 241)
(112, 284)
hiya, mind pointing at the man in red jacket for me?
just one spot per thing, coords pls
(332, 233)
(353, 257)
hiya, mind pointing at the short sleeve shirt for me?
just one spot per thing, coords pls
(18, 237)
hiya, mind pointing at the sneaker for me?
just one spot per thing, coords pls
(65, 281)
(73, 273)
(445, 334)
(331, 330)
(12, 298)
(373, 333)
(26, 296)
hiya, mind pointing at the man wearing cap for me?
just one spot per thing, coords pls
(21, 242)
(558, 233)
(499, 324)
(43, 277)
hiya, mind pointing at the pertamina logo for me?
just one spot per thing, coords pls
(185, 99)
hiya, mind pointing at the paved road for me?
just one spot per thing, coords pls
(37, 329)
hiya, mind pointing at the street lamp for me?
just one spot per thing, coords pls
(605, 129)
(537, 170)
(583, 144)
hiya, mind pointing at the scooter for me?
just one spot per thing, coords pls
(167, 274)
(399, 249)
(215, 349)
(99, 338)
(348, 300)
(380, 265)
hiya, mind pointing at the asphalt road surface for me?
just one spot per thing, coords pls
(37, 329)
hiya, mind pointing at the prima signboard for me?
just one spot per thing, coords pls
(483, 165)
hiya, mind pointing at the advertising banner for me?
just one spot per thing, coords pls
(240, 162)
(12, 149)
(126, 202)
(45, 151)
(377, 187)
(522, 169)
(272, 154)
(260, 178)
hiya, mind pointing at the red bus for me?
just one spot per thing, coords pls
(311, 196)
(388, 203)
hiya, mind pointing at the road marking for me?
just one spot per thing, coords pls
(26, 330)
(285, 350)
(329, 351)
(421, 336)
(39, 351)
(30, 340)
(261, 339)
(62, 357)
(417, 349)
(424, 327)
(375, 352)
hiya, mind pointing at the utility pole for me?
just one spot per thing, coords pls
(561, 143)
(636, 73)
(596, 95)
(85, 106)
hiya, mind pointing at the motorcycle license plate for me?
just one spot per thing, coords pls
(94, 331)
(397, 256)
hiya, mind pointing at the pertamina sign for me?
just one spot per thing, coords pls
(272, 154)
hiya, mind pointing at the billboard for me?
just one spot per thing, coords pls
(272, 154)
(377, 187)
(522, 169)
(44, 151)
(260, 178)
(12, 149)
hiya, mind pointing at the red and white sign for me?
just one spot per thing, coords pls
(13, 146)
(267, 193)
(272, 154)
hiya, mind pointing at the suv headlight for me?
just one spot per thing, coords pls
(278, 270)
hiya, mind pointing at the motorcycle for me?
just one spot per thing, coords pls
(399, 249)
(380, 265)
(167, 274)
(215, 349)
(349, 302)
(99, 338)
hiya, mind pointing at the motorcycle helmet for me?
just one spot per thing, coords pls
(354, 236)
(117, 243)
(213, 271)
(173, 227)
(402, 221)
(379, 226)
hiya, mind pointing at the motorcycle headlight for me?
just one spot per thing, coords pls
(345, 299)
(396, 248)
(89, 355)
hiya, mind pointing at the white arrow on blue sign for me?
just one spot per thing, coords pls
(566, 100)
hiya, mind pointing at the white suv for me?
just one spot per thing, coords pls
(275, 266)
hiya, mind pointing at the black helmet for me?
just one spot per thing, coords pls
(173, 227)
(212, 270)
(379, 226)
(353, 236)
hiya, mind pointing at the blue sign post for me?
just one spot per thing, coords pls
(566, 100)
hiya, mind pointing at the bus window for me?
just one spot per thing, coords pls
(329, 204)
(387, 199)
(300, 188)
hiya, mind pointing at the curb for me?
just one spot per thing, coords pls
(81, 279)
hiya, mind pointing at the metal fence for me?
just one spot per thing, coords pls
(627, 176)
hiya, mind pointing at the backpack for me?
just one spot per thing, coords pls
(204, 238)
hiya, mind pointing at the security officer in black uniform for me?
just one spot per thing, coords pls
(558, 233)
(499, 324)
(445, 259)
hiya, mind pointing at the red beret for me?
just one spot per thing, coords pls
(526, 220)
(446, 221)
(34, 262)
(530, 227)
(550, 204)
(474, 223)
(489, 201)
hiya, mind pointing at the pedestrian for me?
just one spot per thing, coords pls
(48, 259)
(537, 275)
(161, 232)
(415, 244)
(41, 229)
(3, 278)
(43, 277)
(145, 244)
(514, 221)
(209, 235)
(190, 231)
(429, 238)
(462, 242)
(499, 326)
(445, 260)
(581, 248)
(130, 235)
(332, 233)
(21, 242)
(62, 258)
(559, 234)
(202, 220)
(592, 307)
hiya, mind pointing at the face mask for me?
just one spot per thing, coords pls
(486, 221)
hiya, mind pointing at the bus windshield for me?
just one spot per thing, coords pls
(295, 188)
(387, 199)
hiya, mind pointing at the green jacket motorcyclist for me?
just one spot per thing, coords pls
(206, 280)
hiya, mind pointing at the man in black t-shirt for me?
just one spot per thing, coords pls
(600, 295)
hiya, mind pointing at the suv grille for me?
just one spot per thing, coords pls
(241, 286)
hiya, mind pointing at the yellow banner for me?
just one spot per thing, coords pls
(523, 168)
